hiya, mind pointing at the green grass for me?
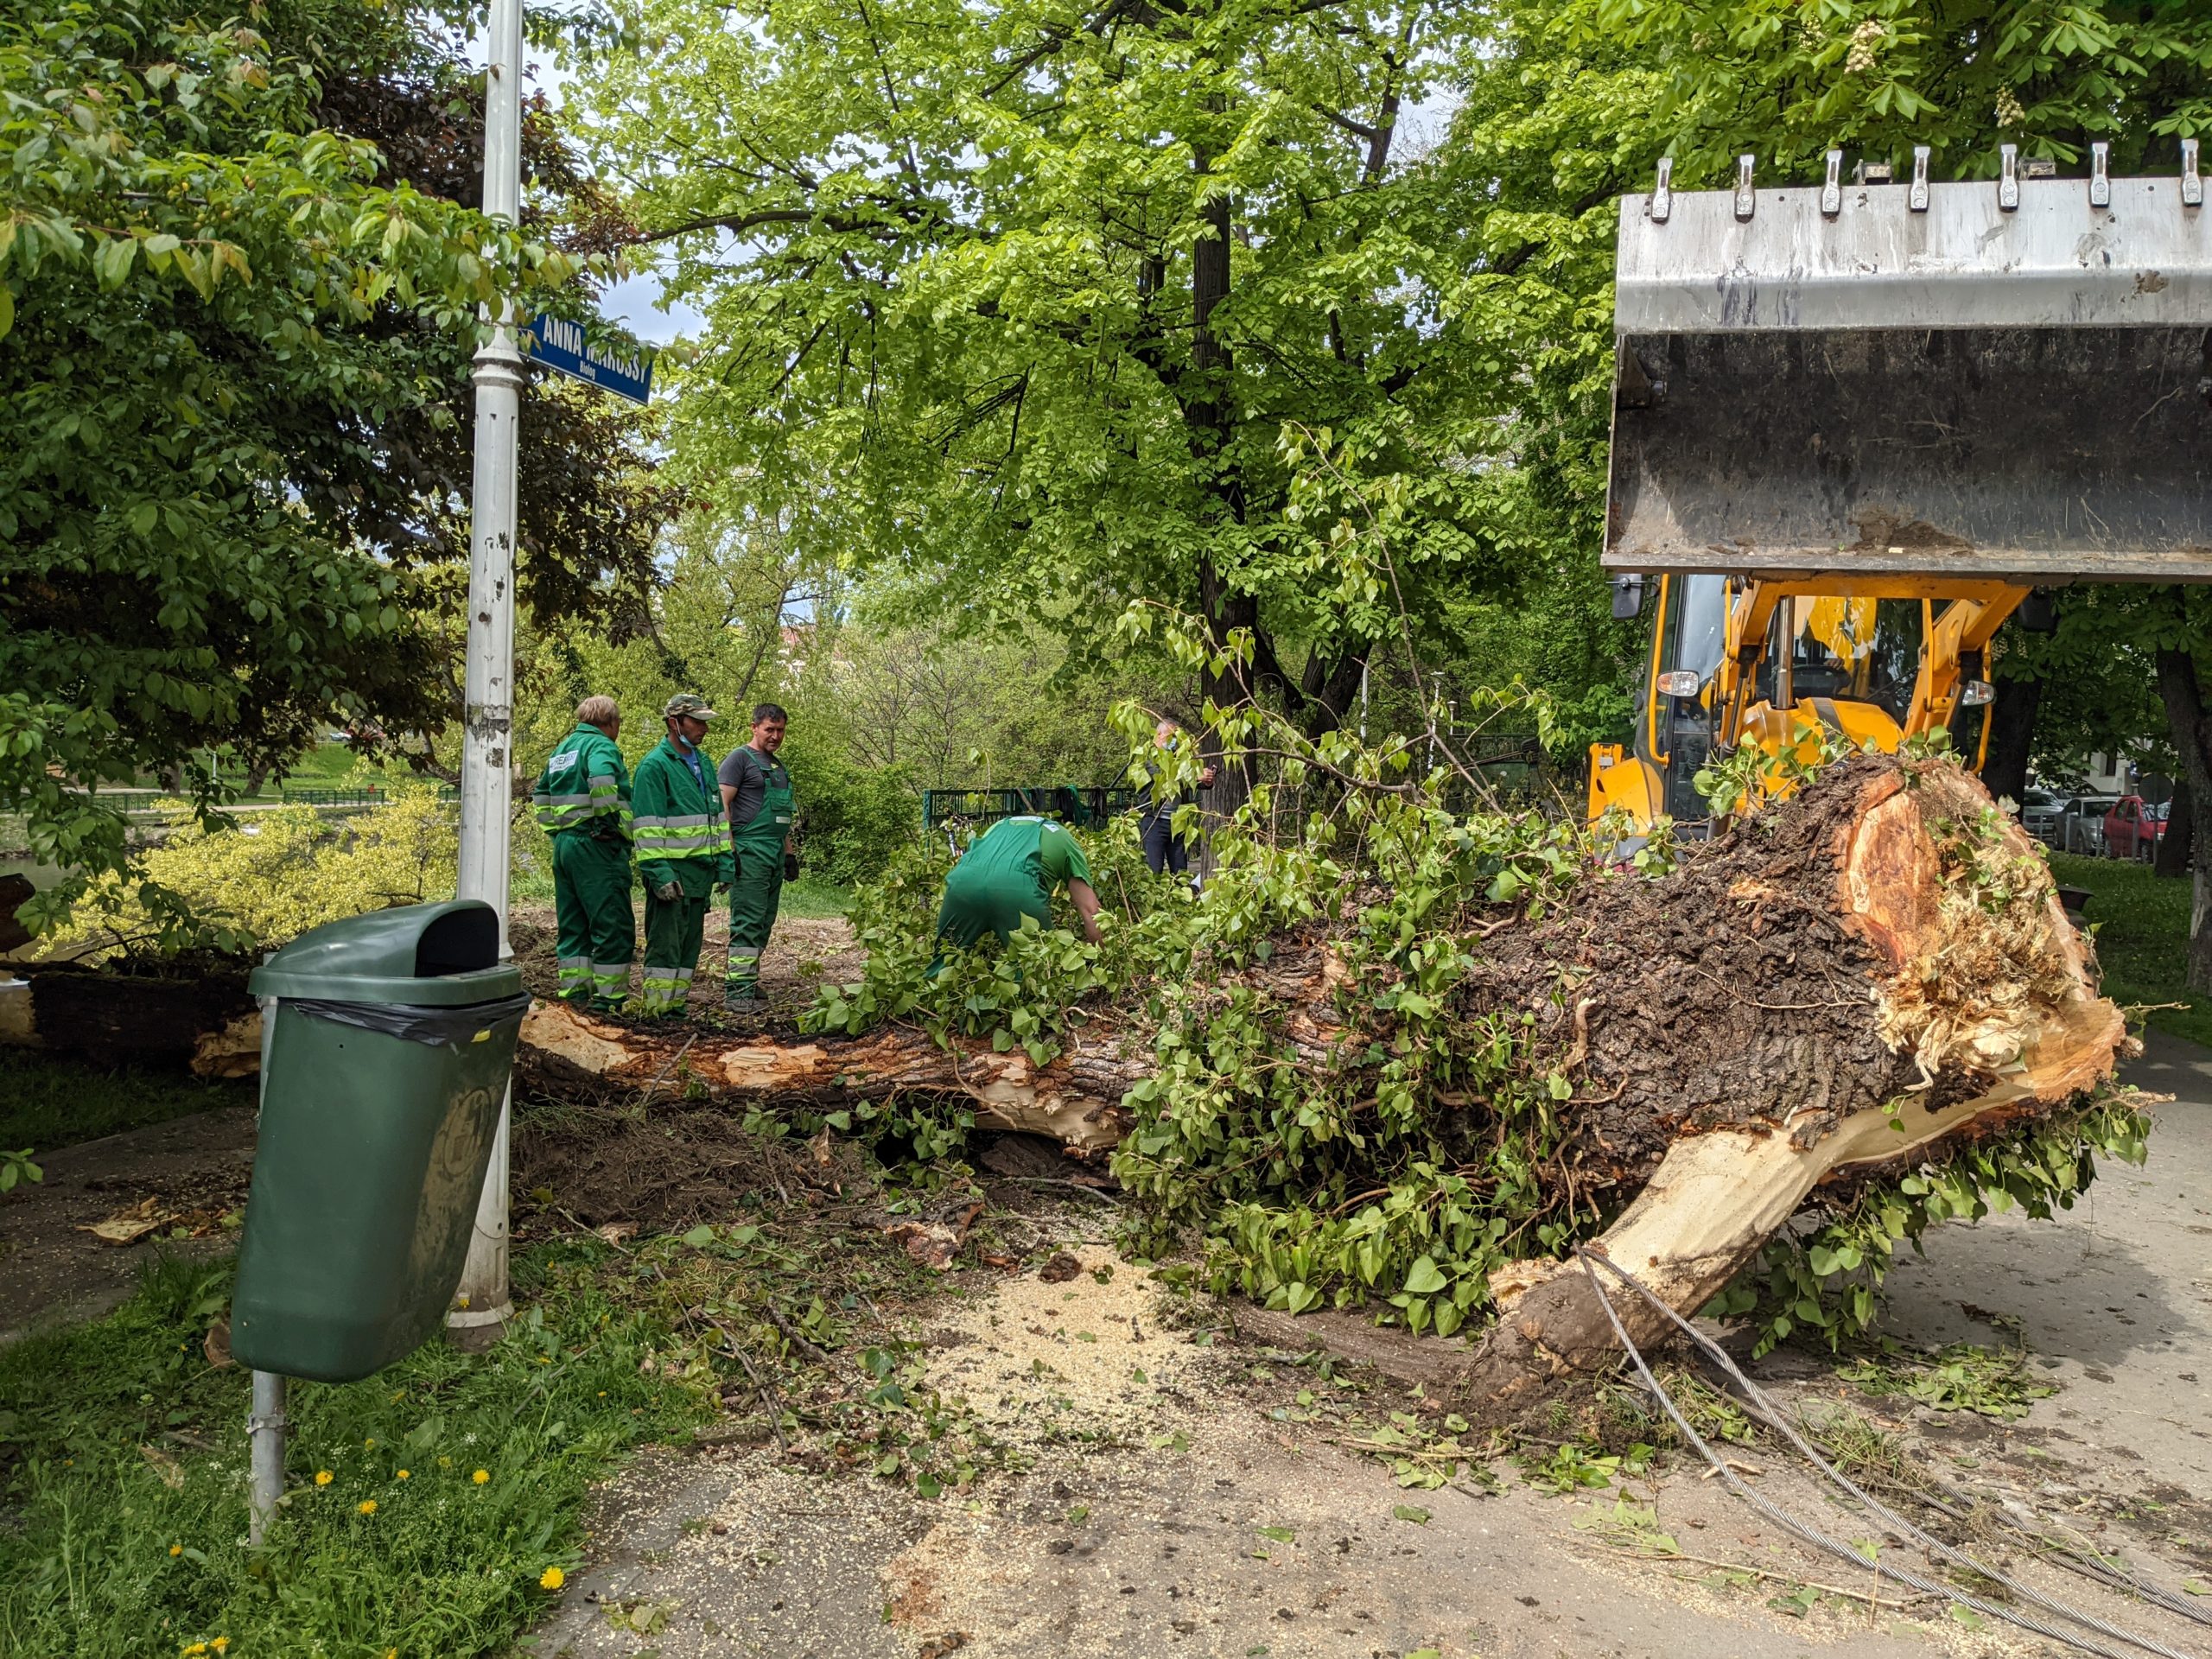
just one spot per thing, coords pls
(812, 899)
(122, 1479)
(2142, 932)
(47, 1101)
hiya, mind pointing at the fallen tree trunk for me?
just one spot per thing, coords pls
(1076, 1099)
(1840, 986)
(1834, 989)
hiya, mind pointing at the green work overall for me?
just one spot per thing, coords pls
(1008, 873)
(680, 841)
(759, 846)
(582, 801)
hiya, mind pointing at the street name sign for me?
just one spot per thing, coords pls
(564, 347)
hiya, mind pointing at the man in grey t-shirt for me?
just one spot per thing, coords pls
(757, 800)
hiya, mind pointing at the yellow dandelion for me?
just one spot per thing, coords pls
(551, 1579)
(368, 1506)
(176, 1550)
(482, 1476)
(197, 1647)
(402, 1475)
(221, 1644)
(322, 1477)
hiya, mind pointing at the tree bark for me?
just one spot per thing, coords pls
(1076, 1099)
(2191, 731)
(2176, 847)
(2011, 737)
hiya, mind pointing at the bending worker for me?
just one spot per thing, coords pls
(1009, 872)
(683, 853)
(757, 798)
(583, 799)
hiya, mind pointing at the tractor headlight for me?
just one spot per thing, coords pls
(1974, 693)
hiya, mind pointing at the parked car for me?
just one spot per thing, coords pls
(2132, 828)
(2039, 811)
(2081, 823)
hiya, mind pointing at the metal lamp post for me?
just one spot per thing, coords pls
(482, 1304)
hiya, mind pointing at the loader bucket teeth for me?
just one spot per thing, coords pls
(2006, 379)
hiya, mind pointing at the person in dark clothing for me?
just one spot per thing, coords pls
(1163, 849)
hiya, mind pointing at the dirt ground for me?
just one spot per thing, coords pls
(190, 1173)
(803, 952)
(1177, 1505)
(194, 1171)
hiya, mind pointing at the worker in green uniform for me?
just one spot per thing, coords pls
(757, 800)
(583, 799)
(682, 851)
(1009, 872)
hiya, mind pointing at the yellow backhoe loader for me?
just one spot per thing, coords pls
(1856, 427)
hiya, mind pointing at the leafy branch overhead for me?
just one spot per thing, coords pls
(234, 344)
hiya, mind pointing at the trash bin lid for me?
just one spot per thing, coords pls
(436, 955)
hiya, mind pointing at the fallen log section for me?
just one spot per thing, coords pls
(1075, 1100)
(1838, 986)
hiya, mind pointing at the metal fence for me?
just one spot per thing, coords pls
(323, 795)
(1083, 806)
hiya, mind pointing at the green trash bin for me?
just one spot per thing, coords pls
(387, 1041)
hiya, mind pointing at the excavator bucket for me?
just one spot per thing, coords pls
(2010, 379)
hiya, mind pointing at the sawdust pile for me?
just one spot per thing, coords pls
(1090, 1359)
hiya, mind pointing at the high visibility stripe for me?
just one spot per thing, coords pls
(570, 811)
(744, 956)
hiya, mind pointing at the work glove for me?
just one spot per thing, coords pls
(791, 866)
(669, 891)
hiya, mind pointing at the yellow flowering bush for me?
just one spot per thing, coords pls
(274, 874)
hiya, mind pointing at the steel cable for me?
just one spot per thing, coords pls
(1896, 1523)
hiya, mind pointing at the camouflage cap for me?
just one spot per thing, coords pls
(687, 703)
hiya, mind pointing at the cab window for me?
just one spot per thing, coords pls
(1857, 649)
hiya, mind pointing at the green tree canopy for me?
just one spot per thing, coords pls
(1078, 306)
(232, 343)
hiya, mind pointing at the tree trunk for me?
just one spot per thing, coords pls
(1075, 1100)
(2191, 731)
(2178, 845)
(1208, 410)
(2011, 737)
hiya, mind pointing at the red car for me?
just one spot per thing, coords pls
(2132, 828)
